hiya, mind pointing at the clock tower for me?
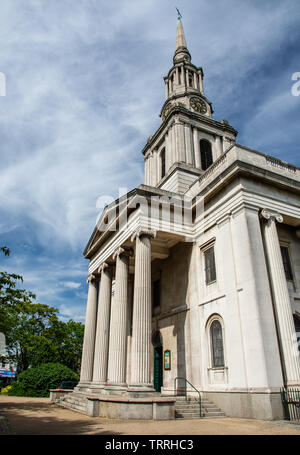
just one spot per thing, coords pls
(189, 140)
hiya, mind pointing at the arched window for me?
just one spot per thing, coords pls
(206, 154)
(163, 162)
(217, 348)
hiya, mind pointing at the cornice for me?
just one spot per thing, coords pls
(194, 116)
(239, 167)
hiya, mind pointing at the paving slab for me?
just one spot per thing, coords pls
(37, 416)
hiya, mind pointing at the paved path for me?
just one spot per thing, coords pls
(37, 416)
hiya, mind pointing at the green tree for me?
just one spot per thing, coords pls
(70, 349)
(34, 334)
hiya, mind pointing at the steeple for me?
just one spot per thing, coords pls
(184, 81)
(189, 140)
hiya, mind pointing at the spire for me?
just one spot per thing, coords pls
(180, 38)
(181, 51)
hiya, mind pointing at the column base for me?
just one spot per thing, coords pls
(141, 389)
(97, 387)
(118, 388)
(295, 383)
(83, 386)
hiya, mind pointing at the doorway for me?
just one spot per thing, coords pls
(158, 360)
(158, 368)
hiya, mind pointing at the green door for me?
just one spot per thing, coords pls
(158, 368)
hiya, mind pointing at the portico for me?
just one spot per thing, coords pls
(120, 305)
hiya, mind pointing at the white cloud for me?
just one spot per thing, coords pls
(84, 91)
(71, 285)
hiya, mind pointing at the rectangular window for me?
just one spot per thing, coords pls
(210, 265)
(286, 262)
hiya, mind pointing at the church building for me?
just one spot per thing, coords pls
(194, 276)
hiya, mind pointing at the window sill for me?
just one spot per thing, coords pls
(210, 283)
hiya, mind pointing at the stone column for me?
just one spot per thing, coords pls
(150, 169)
(142, 313)
(219, 148)
(167, 89)
(201, 82)
(177, 76)
(168, 151)
(196, 81)
(173, 144)
(281, 298)
(87, 361)
(118, 323)
(180, 145)
(188, 143)
(102, 331)
(146, 170)
(155, 174)
(197, 149)
(187, 78)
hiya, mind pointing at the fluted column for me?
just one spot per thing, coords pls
(102, 330)
(142, 313)
(284, 316)
(118, 323)
(87, 361)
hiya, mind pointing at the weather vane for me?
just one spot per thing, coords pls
(179, 14)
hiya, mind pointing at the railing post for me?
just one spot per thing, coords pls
(185, 388)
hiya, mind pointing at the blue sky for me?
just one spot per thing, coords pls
(84, 87)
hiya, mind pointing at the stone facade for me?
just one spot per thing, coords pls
(200, 264)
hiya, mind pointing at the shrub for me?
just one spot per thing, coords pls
(6, 389)
(36, 382)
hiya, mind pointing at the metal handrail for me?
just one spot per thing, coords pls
(187, 382)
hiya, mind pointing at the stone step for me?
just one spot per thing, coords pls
(73, 408)
(73, 405)
(190, 409)
(195, 406)
(74, 401)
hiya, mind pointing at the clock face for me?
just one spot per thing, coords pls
(198, 105)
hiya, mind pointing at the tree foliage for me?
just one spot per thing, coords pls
(36, 382)
(34, 334)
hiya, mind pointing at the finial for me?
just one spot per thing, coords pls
(179, 14)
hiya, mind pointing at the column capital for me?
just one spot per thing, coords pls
(270, 215)
(139, 232)
(122, 250)
(103, 266)
(91, 278)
